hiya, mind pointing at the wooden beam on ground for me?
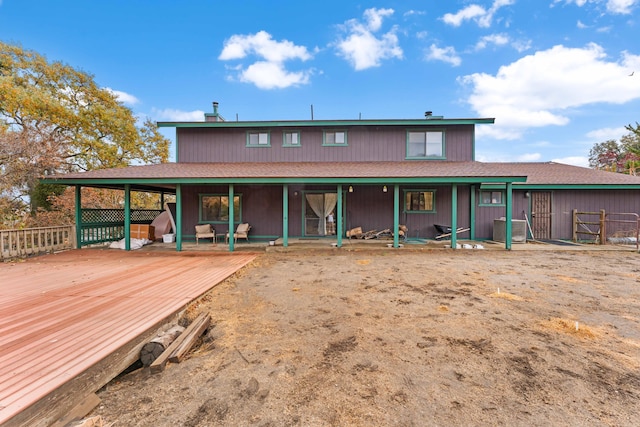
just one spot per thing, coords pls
(191, 335)
(159, 364)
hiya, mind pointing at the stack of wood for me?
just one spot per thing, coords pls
(357, 233)
(172, 347)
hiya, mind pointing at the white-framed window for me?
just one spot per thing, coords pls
(491, 198)
(258, 139)
(425, 144)
(420, 201)
(334, 137)
(290, 138)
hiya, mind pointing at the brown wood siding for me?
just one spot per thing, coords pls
(612, 201)
(372, 209)
(364, 143)
(261, 207)
(485, 215)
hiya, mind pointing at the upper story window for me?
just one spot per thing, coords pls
(291, 139)
(425, 144)
(334, 137)
(491, 198)
(420, 201)
(258, 139)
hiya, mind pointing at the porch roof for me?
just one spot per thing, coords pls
(558, 175)
(406, 172)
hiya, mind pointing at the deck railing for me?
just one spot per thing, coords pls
(33, 241)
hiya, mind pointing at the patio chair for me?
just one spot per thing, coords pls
(242, 232)
(205, 231)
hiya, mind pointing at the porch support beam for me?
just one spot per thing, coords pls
(78, 200)
(396, 215)
(178, 217)
(454, 216)
(472, 213)
(285, 215)
(231, 215)
(127, 217)
(338, 216)
(508, 215)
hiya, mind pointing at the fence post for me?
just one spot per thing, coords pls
(603, 231)
(574, 221)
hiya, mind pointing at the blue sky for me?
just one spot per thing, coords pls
(555, 74)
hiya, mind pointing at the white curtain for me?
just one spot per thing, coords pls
(322, 205)
(330, 200)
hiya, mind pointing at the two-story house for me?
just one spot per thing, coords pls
(320, 178)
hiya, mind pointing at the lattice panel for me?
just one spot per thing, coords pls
(116, 216)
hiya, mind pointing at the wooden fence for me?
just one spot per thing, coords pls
(606, 227)
(33, 241)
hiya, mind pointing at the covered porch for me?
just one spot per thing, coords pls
(285, 191)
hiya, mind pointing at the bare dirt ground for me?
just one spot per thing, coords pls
(406, 339)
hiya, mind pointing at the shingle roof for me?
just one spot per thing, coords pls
(551, 173)
(408, 169)
(537, 173)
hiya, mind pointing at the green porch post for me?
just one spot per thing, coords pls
(231, 215)
(285, 215)
(472, 214)
(78, 216)
(396, 214)
(338, 216)
(127, 217)
(178, 217)
(454, 216)
(508, 215)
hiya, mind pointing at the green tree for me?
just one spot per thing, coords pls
(605, 155)
(618, 156)
(55, 119)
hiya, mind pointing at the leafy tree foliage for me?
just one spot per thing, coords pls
(618, 156)
(55, 119)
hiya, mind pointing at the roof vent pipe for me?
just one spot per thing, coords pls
(215, 108)
(427, 114)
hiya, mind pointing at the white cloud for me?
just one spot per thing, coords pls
(414, 12)
(171, 115)
(273, 75)
(362, 48)
(124, 97)
(374, 17)
(617, 7)
(605, 134)
(268, 72)
(468, 13)
(573, 160)
(476, 13)
(447, 54)
(495, 39)
(539, 90)
(262, 44)
(621, 6)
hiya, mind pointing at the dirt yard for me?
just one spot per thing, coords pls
(521, 338)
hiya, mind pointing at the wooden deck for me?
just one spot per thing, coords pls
(63, 315)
